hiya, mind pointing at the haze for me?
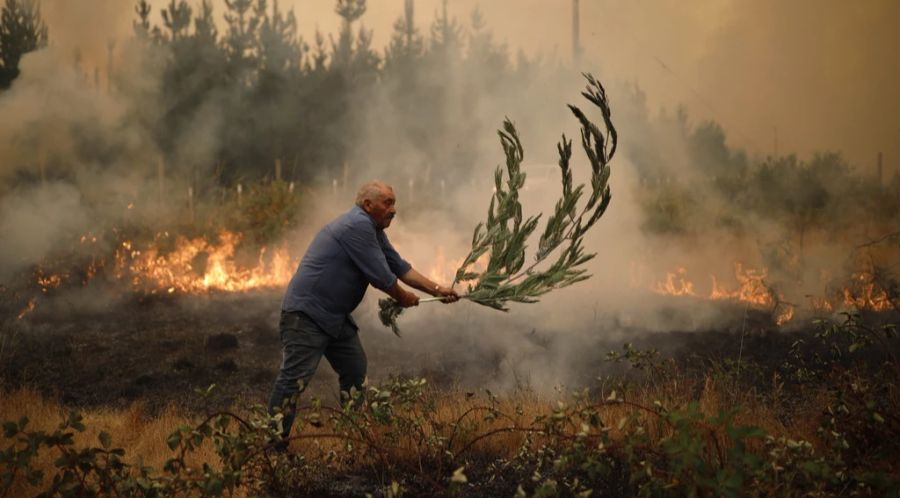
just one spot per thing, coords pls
(800, 76)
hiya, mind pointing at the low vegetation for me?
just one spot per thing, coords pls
(822, 423)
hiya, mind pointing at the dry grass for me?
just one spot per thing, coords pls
(144, 437)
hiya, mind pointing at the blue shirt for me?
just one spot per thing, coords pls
(346, 256)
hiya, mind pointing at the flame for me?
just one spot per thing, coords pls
(865, 293)
(676, 284)
(443, 270)
(192, 265)
(51, 281)
(820, 303)
(751, 287)
(27, 309)
(198, 265)
(784, 314)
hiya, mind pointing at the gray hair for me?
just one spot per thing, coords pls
(371, 191)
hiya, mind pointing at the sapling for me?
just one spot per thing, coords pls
(504, 235)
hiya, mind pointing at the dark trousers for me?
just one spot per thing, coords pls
(303, 344)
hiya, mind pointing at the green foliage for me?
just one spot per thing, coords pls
(587, 445)
(823, 193)
(22, 30)
(389, 310)
(503, 236)
(505, 233)
(267, 211)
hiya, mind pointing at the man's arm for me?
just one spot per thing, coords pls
(403, 296)
(416, 280)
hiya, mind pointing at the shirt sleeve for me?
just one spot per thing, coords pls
(362, 245)
(397, 264)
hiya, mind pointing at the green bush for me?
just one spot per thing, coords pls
(397, 436)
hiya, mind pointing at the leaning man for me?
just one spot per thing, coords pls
(346, 256)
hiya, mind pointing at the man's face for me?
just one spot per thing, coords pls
(382, 209)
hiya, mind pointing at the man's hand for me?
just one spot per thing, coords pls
(402, 296)
(408, 299)
(449, 295)
(418, 281)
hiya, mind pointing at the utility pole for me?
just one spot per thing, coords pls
(880, 168)
(408, 10)
(576, 33)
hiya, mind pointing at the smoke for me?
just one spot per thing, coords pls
(820, 72)
(35, 221)
(78, 150)
(816, 73)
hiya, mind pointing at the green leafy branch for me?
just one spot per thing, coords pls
(505, 233)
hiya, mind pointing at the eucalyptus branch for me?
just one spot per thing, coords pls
(504, 234)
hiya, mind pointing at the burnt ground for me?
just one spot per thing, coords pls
(112, 350)
(159, 349)
(104, 349)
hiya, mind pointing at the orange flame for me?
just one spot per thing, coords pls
(865, 293)
(784, 314)
(197, 265)
(676, 284)
(751, 289)
(27, 309)
(48, 282)
(862, 292)
(443, 269)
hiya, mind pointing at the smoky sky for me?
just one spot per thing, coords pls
(809, 75)
(793, 77)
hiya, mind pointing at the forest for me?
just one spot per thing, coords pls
(737, 338)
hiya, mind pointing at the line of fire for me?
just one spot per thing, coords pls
(545, 248)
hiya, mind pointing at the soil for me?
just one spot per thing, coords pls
(160, 349)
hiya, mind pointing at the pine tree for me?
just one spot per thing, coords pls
(446, 36)
(177, 19)
(365, 60)
(142, 24)
(406, 44)
(319, 55)
(240, 37)
(280, 49)
(21, 31)
(350, 11)
(484, 57)
(205, 31)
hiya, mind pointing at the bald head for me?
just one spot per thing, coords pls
(377, 199)
(371, 191)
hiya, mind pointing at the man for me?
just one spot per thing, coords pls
(346, 256)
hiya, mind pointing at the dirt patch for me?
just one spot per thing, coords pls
(162, 349)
